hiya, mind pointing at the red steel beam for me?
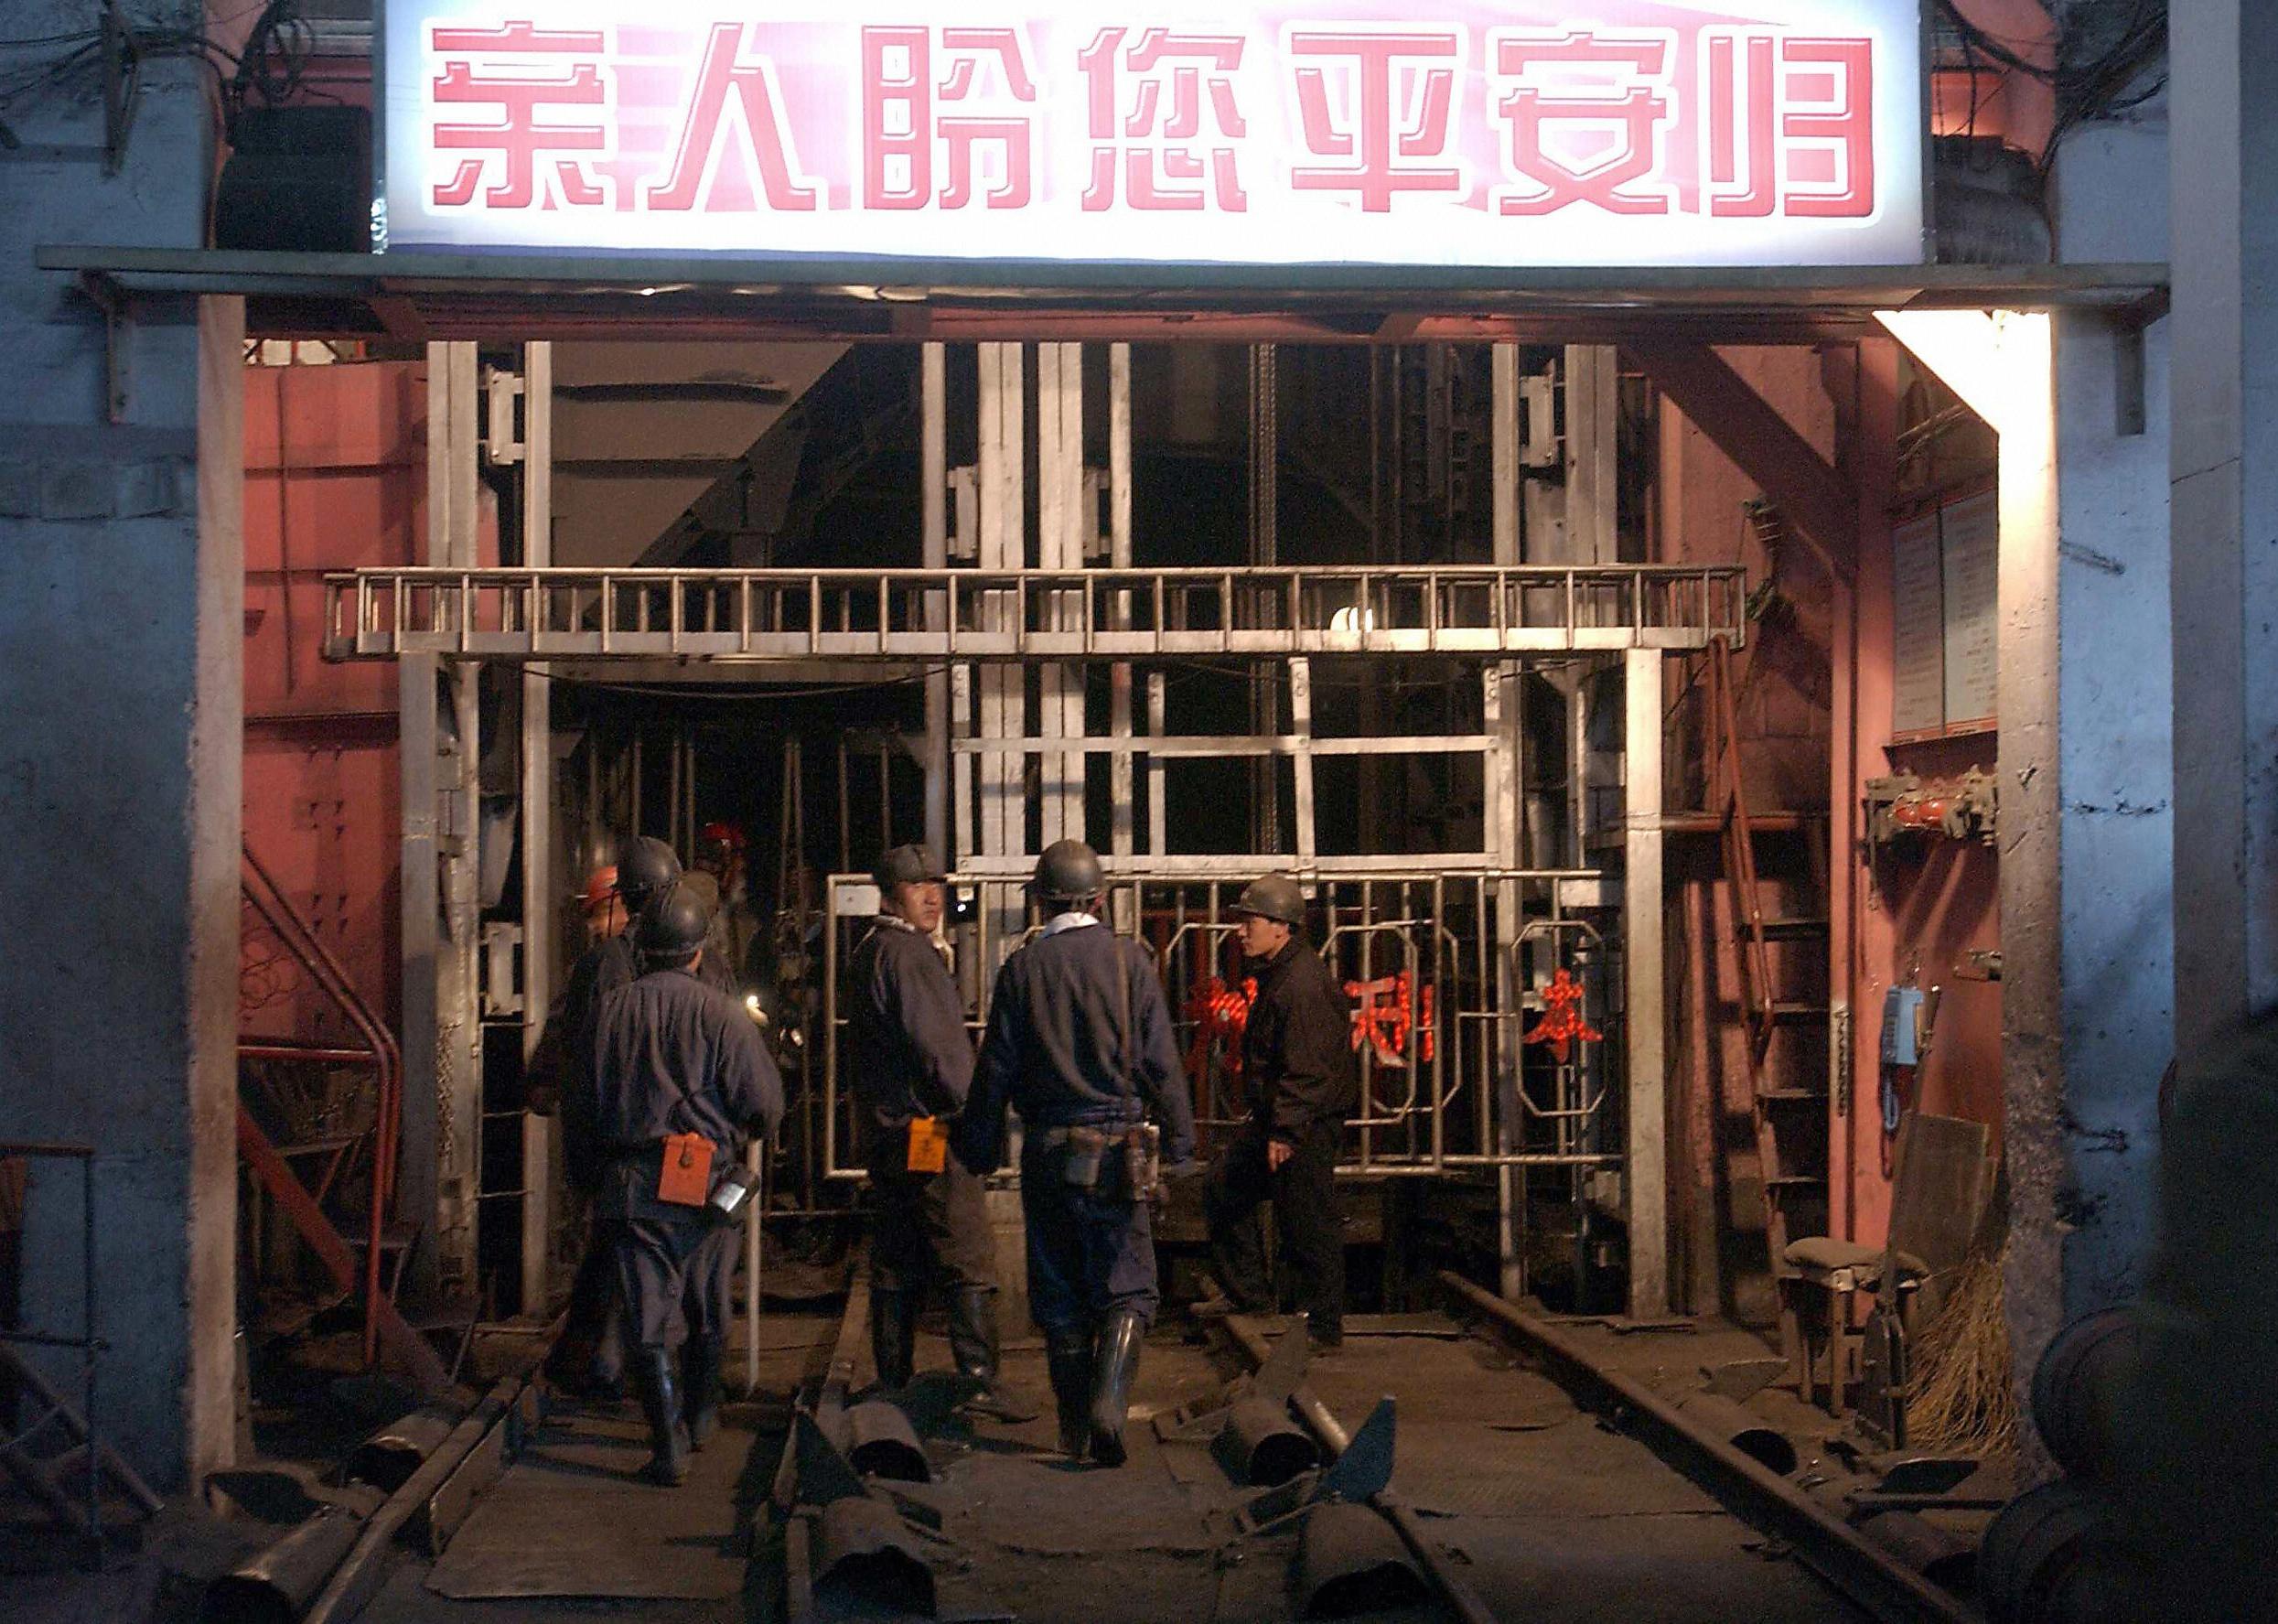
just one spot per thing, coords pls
(1814, 497)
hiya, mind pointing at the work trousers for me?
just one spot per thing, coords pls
(594, 1329)
(675, 1264)
(1087, 1257)
(931, 1227)
(1303, 1193)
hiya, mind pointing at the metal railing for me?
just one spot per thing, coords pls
(1440, 1015)
(990, 615)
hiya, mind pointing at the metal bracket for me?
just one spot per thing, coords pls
(118, 329)
(502, 979)
(502, 440)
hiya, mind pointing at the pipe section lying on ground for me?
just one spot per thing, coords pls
(1831, 1547)
(275, 1584)
(1746, 1431)
(1333, 1440)
(352, 1583)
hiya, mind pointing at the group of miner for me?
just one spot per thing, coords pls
(663, 1081)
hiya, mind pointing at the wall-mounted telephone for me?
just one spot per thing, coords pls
(1902, 1051)
(1902, 1026)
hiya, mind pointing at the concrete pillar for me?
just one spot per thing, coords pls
(2085, 784)
(2224, 472)
(122, 581)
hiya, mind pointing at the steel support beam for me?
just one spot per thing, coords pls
(1644, 1034)
(1747, 428)
(541, 879)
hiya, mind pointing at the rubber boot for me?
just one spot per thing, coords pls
(1113, 1371)
(1069, 1356)
(973, 1343)
(893, 1336)
(700, 1390)
(661, 1402)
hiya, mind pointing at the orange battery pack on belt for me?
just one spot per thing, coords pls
(687, 1176)
(928, 1145)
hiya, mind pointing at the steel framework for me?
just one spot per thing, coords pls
(1023, 614)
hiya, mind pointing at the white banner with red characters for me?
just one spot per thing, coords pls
(1529, 133)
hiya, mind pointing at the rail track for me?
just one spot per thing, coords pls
(1470, 1464)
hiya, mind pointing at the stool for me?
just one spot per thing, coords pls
(1821, 1276)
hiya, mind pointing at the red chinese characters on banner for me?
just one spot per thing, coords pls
(1586, 116)
(1145, 103)
(734, 87)
(518, 69)
(1383, 104)
(946, 97)
(1318, 123)
(1789, 125)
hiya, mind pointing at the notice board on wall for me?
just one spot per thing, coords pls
(1945, 577)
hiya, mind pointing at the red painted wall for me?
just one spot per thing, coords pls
(335, 477)
(1915, 912)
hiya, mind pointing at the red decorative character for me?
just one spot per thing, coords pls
(728, 81)
(1389, 1010)
(519, 69)
(1586, 113)
(1561, 1023)
(983, 75)
(1154, 147)
(1790, 124)
(1221, 1015)
(1388, 108)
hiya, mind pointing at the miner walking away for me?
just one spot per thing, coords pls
(1080, 1043)
(589, 1357)
(681, 1080)
(912, 1061)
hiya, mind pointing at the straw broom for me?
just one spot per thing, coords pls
(1960, 1398)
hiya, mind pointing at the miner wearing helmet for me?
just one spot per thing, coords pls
(589, 1356)
(1080, 1042)
(1297, 1066)
(680, 1083)
(912, 1067)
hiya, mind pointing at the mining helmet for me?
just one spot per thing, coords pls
(906, 865)
(1274, 897)
(721, 832)
(673, 927)
(600, 887)
(1069, 871)
(647, 867)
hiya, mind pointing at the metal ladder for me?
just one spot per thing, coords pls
(1790, 1111)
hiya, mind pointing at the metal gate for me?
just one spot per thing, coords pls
(1446, 974)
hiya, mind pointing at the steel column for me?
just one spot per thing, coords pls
(541, 877)
(1645, 1179)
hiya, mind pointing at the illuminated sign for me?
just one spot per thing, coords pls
(1530, 132)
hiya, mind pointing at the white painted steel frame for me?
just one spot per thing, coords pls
(1004, 613)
